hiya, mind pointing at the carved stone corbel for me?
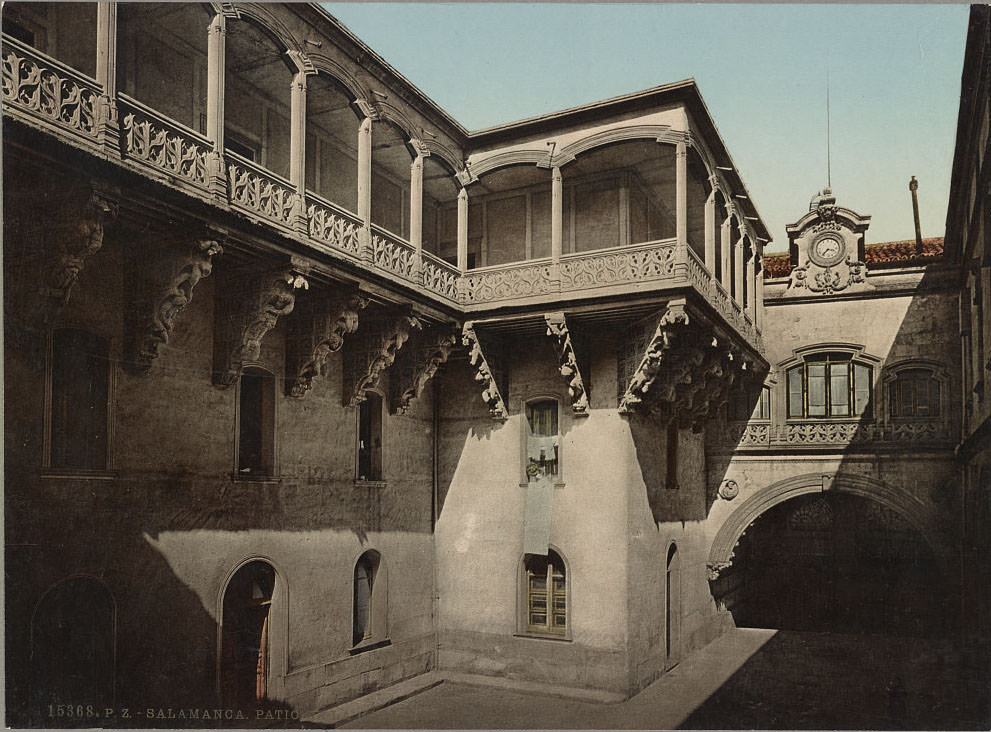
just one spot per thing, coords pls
(419, 364)
(368, 366)
(318, 336)
(673, 320)
(483, 373)
(557, 327)
(253, 313)
(83, 238)
(157, 330)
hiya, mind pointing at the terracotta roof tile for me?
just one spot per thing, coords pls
(880, 255)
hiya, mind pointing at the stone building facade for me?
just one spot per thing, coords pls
(310, 390)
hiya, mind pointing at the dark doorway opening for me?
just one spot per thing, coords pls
(245, 641)
(836, 563)
(72, 653)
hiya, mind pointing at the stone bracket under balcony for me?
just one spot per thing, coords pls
(686, 369)
(487, 372)
(417, 363)
(557, 328)
(250, 304)
(79, 236)
(317, 329)
(160, 286)
(367, 357)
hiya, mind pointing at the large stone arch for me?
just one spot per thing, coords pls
(915, 512)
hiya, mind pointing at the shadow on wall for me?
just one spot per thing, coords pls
(860, 563)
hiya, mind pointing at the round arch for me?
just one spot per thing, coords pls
(270, 24)
(909, 508)
(278, 638)
(328, 67)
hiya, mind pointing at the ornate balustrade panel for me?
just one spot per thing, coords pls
(654, 261)
(392, 254)
(48, 90)
(260, 192)
(507, 282)
(164, 145)
(440, 276)
(720, 300)
(332, 226)
(829, 434)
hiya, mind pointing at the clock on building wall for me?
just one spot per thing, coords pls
(827, 250)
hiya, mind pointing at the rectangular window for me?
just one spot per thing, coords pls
(541, 439)
(671, 482)
(839, 393)
(816, 389)
(80, 400)
(256, 448)
(795, 393)
(370, 437)
(862, 383)
(763, 408)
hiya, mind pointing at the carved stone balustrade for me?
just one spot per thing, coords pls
(45, 94)
(834, 434)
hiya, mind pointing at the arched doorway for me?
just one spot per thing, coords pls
(246, 657)
(835, 562)
(73, 648)
(672, 608)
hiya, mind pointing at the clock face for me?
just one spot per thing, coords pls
(827, 250)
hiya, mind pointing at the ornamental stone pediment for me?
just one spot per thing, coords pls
(827, 250)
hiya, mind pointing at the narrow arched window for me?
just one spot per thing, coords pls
(256, 424)
(370, 608)
(546, 594)
(80, 390)
(370, 437)
(914, 393)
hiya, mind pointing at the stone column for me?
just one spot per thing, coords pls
(416, 208)
(726, 245)
(710, 230)
(751, 290)
(738, 273)
(681, 193)
(463, 230)
(297, 148)
(365, 187)
(557, 207)
(216, 63)
(108, 129)
(759, 290)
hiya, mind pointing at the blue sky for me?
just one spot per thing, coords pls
(894, 75)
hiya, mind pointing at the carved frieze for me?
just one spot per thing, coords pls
(248, 310)
(484, 374)
(827, 280)
(557, 328)
(82, 237)
(418, 363)
(375, 353)
(315, 333)
(155, 328)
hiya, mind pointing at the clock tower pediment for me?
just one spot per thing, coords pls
(827, 249)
